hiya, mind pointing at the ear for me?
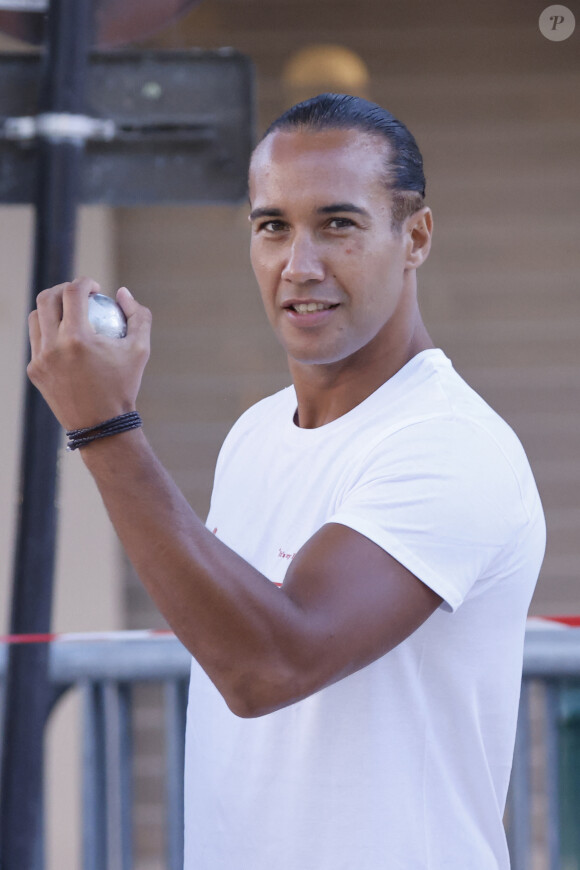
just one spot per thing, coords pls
(418, 229)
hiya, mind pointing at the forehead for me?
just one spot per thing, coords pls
(340, 164)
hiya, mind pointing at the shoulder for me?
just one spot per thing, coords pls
(473, 434)
(438, 437)
(439, 406)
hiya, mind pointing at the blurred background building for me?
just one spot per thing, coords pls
(494, 106)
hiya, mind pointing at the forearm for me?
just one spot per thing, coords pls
(246, 634)
(345, 601)
(240, 627)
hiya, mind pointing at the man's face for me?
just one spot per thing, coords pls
(331, 271)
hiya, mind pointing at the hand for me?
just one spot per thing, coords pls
(84, 377)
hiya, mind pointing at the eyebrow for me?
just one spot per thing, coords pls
(324, 209)
(342, 206)
(265, 212)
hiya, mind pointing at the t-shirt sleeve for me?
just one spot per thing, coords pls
(442, 498)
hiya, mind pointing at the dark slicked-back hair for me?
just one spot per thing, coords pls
(404, 175)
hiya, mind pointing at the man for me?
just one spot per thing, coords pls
(356, 604)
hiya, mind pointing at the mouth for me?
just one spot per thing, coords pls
(310, 307)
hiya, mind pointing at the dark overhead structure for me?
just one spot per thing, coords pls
(114, 22)
(164, 127)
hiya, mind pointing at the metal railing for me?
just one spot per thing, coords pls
(543, 812)
(106, 670)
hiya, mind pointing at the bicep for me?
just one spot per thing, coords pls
(358, 602)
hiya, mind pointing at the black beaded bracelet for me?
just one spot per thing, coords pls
(123, 423)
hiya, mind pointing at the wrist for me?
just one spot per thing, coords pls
(82, 438)
(112, 458)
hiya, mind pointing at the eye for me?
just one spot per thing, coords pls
(272, 226)
(340, 223)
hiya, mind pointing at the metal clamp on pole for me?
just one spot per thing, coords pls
(59, 127)
(25, 5)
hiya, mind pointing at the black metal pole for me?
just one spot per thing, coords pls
(27, 693)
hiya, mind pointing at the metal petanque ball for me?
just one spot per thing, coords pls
(106, 317)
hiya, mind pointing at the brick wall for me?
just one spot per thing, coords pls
(494, 107)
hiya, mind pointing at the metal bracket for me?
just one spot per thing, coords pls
(25, 5)
(58, 127)
(158, 127)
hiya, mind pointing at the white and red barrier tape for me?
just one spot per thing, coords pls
(553, 621)
(142, 634)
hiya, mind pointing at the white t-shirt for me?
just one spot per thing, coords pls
(403, 765)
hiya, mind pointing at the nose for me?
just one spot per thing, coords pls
(304, 262)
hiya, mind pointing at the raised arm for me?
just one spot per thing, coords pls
(262, 646)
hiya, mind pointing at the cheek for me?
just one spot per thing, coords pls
(260, 267)
(254, 258)
(263, 260)
(264, 279)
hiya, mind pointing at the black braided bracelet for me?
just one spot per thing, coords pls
(122, 423)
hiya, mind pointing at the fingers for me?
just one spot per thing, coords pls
(68, 302)
(34, 333)
(49, 310)
(64, 309)
(75, 302)
(82, 375)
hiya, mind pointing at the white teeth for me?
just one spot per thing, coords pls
(305, 307)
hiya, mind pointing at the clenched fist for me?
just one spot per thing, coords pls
(86, 378)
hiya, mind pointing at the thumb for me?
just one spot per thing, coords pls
(138, 317)
(127, 301)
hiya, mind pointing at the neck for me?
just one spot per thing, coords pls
(327, 391)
